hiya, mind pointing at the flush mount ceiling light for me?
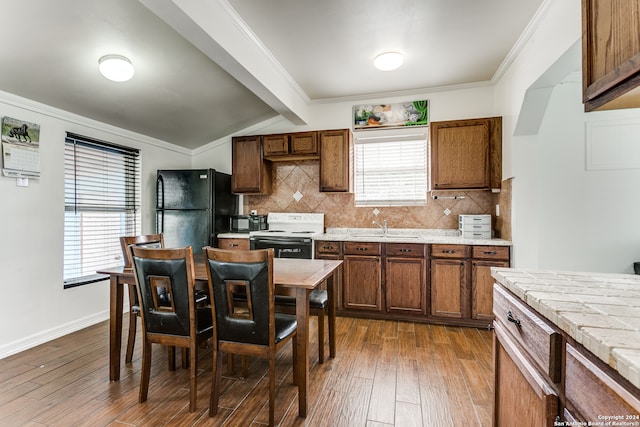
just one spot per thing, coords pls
(116, 67)
(388, 61)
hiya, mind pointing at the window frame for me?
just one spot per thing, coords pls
(392, 136)
(102, 182)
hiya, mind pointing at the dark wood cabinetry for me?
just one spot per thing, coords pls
(405, 278)
(466, 154)
(522, 396)
(362, 281)
(331, 250)
(239, 243)
(449, 281)
(483, 258)
(610, 54)
(335, 159)
(291, 146)
(250, 173)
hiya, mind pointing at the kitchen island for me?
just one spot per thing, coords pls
(567, 347)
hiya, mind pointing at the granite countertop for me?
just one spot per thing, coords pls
(405, 235)
(600, 311)
(233, 236)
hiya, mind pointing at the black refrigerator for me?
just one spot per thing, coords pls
(193, 206)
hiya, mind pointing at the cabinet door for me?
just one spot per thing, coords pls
(449, 289)
(275, 145)
(522, 397)
(304, 143)
(460, 154)
(250, 173)
(405, 285)
(482, 289)
(611, 54)
(362, 283)
(335, 153)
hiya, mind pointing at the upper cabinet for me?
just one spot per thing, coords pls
(293, 146)
(335, 156)
(250, 173)
(466, 154)
(610, 54)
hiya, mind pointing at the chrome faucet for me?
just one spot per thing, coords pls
(383, 226)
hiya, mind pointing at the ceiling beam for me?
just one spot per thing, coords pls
(215, 28)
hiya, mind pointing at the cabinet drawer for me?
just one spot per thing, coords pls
(491, 252)
(593, 393)
(231, 243)
(449, 251)
(325, 248)
(408, 250)
(543, 343)
(362, 248)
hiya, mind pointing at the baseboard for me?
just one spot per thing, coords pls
(31, 341)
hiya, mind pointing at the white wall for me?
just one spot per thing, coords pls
(35, 308)
(567, 214)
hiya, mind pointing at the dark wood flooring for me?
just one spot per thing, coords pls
(386, 373)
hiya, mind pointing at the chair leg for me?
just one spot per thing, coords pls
(193, 378)
(215, 383)
(272, 387)
(245, 366)
(294, 356)
(185, 357)
(171, 357)
(321, 336)
(145, 371)
(133, 322)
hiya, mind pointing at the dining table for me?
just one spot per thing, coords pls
(298, 276)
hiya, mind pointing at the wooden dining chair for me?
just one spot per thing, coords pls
(318, 306)
(146, 240)
(250, 329)
(181, 324)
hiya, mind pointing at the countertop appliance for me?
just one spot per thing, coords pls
(289, 234)
(247, 223)
(193, 206)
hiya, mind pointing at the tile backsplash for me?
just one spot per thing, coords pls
(296, 189)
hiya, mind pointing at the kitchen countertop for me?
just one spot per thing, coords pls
(405, 235)
(233, 236)
(600, 311)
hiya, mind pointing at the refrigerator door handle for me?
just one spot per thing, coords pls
(160, 192)
(160, 221)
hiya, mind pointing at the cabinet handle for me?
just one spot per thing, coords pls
(491, 253)
(405, 250)
(512, 319)
(233, 245)
(448, 251)
(361, 249)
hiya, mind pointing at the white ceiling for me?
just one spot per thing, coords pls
(311, 51)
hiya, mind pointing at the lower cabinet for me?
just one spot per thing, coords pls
(362, 276)
(522, 396)
(483, 258)
(233, 243)
(405, 267)
(449, 281)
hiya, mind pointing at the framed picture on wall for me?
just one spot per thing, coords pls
(376, 116)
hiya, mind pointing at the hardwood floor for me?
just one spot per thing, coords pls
(386, 373)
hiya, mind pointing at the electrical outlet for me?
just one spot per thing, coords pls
(497, 210)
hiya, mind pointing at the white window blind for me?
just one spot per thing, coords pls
(391, 170)
(102, 203)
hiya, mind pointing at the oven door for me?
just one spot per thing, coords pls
(285, 247)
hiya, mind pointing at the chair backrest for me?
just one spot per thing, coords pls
(145, 240)
(234, 271)
(172, 271)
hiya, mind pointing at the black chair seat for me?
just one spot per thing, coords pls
(285, 326)
(318, 298)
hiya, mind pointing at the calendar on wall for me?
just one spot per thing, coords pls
(20, 148)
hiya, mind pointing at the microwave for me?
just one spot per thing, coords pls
(247, 223)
